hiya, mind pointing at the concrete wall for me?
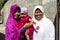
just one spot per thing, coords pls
(50, 7)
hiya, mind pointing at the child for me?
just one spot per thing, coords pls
(24, 18)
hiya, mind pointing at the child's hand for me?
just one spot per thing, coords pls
(34, 22)
(31, 21)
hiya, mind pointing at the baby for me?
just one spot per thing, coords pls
(25, 18)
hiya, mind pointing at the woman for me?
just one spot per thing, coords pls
(13, 30)
(44, 26)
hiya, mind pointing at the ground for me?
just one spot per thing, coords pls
(2, 31)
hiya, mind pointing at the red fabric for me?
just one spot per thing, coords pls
(30, 30)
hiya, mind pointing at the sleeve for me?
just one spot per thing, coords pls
(50, 32)
(28, 17)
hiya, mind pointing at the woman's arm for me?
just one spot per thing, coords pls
(50, 32)
(23, 29)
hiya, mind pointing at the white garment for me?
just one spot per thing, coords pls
(46, 28)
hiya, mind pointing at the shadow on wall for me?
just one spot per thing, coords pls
(48, 7)
(2, 36)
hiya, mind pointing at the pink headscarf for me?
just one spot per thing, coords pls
(12, 33)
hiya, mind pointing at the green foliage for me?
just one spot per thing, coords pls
(2, 2)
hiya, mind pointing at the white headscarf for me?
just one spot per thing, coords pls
(46, 28)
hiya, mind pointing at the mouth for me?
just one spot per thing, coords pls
(37, 15)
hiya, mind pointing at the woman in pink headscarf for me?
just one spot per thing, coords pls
(12, 31)
(13, 28)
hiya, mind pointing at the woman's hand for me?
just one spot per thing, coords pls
(27, 25)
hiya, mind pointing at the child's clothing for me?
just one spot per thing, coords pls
(30, 30)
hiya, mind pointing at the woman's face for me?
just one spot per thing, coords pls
(38, 14)
(16, 15)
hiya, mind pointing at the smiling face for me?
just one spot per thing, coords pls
(38, 14)
(16, 13)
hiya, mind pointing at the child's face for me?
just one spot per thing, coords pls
(22, 15)
(38, 14)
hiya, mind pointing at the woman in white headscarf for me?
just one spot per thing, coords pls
(44, 26)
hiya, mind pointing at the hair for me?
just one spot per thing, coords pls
(37, 9)
(17, 10)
